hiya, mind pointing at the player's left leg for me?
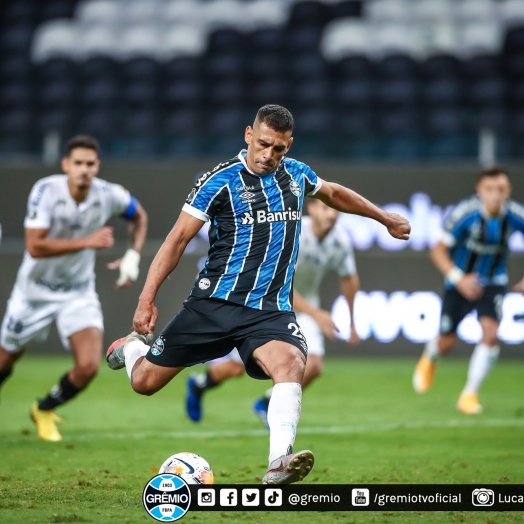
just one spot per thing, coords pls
(218, 372)
(284, 363)
(7, 362)
(482, 360)
(86, 346)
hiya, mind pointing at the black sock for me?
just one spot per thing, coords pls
(203, 382)
(4, 375)
(59, 394)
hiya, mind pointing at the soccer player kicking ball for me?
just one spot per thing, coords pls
(242, 296)
(64, 226)
(472, 256)
(324, 246)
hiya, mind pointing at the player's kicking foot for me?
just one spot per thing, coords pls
(46, 423)
(115, 354)
(293, 468)
(260, 408)
(193, 399)
(468, 403)
(424, 374)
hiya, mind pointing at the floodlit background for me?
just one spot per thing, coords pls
(402, 100)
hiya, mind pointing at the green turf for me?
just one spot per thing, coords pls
(361, 419)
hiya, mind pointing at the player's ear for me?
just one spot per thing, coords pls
(248, 135)
(65, 164)
(289, 143)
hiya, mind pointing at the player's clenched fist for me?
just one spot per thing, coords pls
(398, 226)
(101, 238)
(145, 318)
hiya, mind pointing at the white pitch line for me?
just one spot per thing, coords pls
(329, 430)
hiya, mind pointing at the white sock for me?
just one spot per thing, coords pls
(132, 352)
(480, 363)
(282, 417)
(431, 349)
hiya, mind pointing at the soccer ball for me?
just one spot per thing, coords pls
(192, 468)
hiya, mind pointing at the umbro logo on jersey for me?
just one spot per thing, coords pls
(247, 194)
(262, 216)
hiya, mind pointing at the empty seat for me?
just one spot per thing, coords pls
(399, 122)
(440, 66)
(140, 122)
(16, 38)
(230, 65)
(183, 121)
(512, 12)
(227, 92)
(354, 68)
(99, 123)
(52, 9)
(271, 91)
(390, 39)
(355, 93)
(16, 95)
(304, 39)
(57, 93)
(443, 91)
(17, 121)
(314, 121)
(15, 67)
(514, 41)
(223, 13)
(357, 122)
(57, 69)
(445, 120)
(308, 12)
(141, 68)
(183, 93)
(342, 38)
(466, 11)
(99, 12)
(494, 117)
(100, 92)
(398, 92)
(181, 41)
(307, 66)
(182, 68)
(269, 40)
(478, 38)
(387, 11)
(313, 93)
(483, 66)
(345, 9)
(490, 91)
(266, 67)
(21, 11)
(397, 66)
(56, 119)
(99, 67)
(56, 38)
(139, 94)
(228, 121)
(225, 41)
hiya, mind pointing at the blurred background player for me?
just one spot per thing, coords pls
(323, 247)
(472, 256)
(64, 226)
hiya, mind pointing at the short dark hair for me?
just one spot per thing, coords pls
(276, 117)
(85, 141)
(492, 171)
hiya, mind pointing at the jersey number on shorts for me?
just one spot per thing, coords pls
(297, 332)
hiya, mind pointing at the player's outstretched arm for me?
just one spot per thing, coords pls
(163, 264)
(129, 263)
(39, 246)
(347, 201)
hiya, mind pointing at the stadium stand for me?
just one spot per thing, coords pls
(417, 79)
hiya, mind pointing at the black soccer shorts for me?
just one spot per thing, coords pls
(455, 307)
(208, 328)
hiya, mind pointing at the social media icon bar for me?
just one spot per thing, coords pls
(206, 497)
(250, 497)
(228, 497)
(273, 497)
(360, 497)
(483, 497)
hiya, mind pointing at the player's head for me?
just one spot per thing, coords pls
(494, 188)
(323, 217)
(269, 139)
(81, 162)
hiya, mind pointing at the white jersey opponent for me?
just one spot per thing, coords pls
(52, 207)
(315, 259)
(61, 288)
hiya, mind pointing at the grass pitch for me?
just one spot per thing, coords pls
(361, 419)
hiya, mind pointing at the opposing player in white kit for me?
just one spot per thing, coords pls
(324, 246)
(64, 226)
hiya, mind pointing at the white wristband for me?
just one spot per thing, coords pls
(129, 267)
(455, 275)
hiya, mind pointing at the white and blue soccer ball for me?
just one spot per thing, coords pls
(189, 466)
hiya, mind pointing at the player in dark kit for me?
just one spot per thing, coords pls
(472, 256)
(242, 296)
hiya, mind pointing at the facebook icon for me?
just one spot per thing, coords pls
(228, 497)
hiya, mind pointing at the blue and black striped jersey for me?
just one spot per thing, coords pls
(479, 243)
(254, 231)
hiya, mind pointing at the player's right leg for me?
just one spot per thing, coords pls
(7, 362)
(454, 308)
(218, 372)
